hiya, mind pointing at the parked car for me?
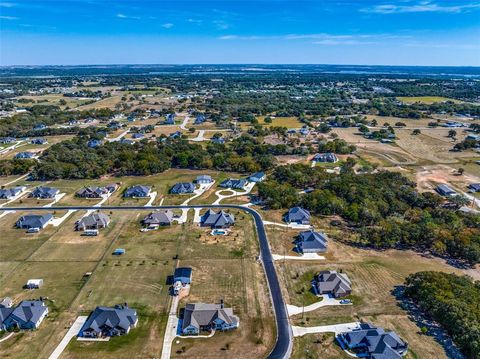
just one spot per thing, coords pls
(345, 301)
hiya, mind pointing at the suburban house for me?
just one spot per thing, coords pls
(44, 192)
(475, 187)
(176, 134)
(39, 127)
(9, 193)
(373, 342)
(137, 192)
(332, 283)
(27, 315)
(181, 278)
(234, 183)
(39, 141)
(109, 322)
(257, 177)
(138, 135)
(160, 218)
(200, 317)
(170, 119)
(96, 220)
(203, 179)
(199, 120)
(311, 242)
(325, 157)
(96, 192)
(445, 190)
(217, 220)
(7, 140)
(182, 188)
(94, 143)
(39, 221)
(25, 155)
(218, 140)
(297, 215)
(126, 141)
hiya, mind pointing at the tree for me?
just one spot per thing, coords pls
(268, 119)
(400, 124)
(374, 123)
(460, 171)
(452, 133)
(416, 131)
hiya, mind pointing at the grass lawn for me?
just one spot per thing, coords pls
(426, 99)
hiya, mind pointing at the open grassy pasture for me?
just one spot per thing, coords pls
(426, 99)
(52, 99)
(224, 267)
(374, 276)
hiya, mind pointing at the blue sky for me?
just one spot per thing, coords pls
(388, 32)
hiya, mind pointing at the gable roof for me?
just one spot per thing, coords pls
(312, 240)
(44, 192)
(234, 183)
(159, 217)
(120, 316)
(220, 219)
(137, 191)
(202, 314)
(96, 219)
(330, 281)
(183, 187)
(6, 193)
(297, 214)
(28, 311)
(34, 220)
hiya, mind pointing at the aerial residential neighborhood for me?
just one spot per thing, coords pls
(239, 179)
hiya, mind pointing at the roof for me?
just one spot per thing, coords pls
(333, 282)
(6, 193)
(297, 214)
(445, 189)
(183, 187)
(257, 176)
(137, 191)
(34, 220)
(120, 316)
(96, 219)
(312, 240)
(159, 217)
(183, 272)
(380, 344)
(202, 314)
(98, 191)
(214, 219)
(234, 183)
(474, 186)
(29, 311)
(44, 192)
(203, 178)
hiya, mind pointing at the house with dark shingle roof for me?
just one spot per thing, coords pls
(25, 155)
(297, 215)
(109, 322)
(44, 192)
(217, 220)
(8, 193)
(170, 119)
(311, 242)
(27, 315)
(34, 221)
(137, 192)
(39, 141)
(183, 188)
(204, 179)
(199, 120)
(158, 218)
(373, 342)
(332, 283)
(200, 317)
(94, 143)
(96, 220)
(325, 157)
(445, 190)
(234, 183)
(475, 187)
(257, 177)
(96, 192)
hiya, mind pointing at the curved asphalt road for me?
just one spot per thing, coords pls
(283, 345)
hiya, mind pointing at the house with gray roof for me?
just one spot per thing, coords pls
(137, 192)
(25, 155)
(372, 342)
(234, 183)
(474, 187)
(445, 190)
(44, 192)
(297, 215)
(311, 242)
(96, 192)
(213, 219)
(203, 179)
(159, 218)
(325, 157)
(96, 220)
(27, 315)
(39, 141)
(29, 221)
(9, 193)
(109, 322)
(257, 177)
(332, 283)
(200, 317)
(183, 188)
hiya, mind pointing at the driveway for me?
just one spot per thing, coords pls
(304, 257)
(326, 301)
(335, 328)
(171, 330)
(72, 332)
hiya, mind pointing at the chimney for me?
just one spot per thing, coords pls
(221, 303)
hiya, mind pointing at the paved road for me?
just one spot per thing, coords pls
(283, 346)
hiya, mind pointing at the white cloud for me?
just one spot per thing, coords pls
(221, 25)
(195, 21)
(7, 4)
(168, 25)
(8, 17)
(331, 42)
(323, 38)
(423, 6)
(123, 16)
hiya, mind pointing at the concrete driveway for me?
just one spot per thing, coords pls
(72, 332)
(335, 328)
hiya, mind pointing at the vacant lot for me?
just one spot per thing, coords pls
(426, 99)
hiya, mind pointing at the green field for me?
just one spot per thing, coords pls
(426, 99)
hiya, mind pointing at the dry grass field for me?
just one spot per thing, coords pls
(426, 99)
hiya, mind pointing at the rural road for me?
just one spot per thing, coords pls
(283, 346)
